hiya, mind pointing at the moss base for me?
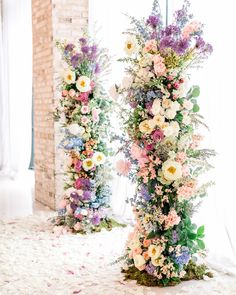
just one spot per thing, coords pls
(193, 272)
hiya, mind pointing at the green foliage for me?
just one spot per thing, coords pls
(196, 108)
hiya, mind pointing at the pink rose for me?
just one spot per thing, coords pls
(84, 120)
(159, 66)
(157, 135)
(150, 45)
(123, 167)
(72, 93)
(78, 165)
(85, 109)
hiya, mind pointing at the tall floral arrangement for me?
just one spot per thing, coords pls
(84, 115)
(163, 156)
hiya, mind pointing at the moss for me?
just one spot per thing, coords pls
(193, 272)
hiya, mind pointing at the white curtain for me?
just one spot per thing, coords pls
(217, 101)
(15, 103)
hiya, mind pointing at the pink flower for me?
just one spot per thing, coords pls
(77, 226)
(83, 97)
(84, 109)
(78, 165)
(171, 219)
(150, 45)
(137, 251)
(123, 167)
(159, 66)
(181, 157)
(95, 115)
(185, 170)
(64, 93)
(157, 135)
(72, 93)
(84, 120)
(149, 146)
(190, 28)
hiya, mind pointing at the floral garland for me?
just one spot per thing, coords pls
(84, 113)
(162, 149)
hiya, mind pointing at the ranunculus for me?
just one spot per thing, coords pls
(157, 135)
(69, 77)
(83, 84)
(154, 251)
(123, 167)
(172, 170)
(99, 158)
(88, 164)
(130, 45)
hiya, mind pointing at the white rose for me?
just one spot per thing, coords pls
(175, 106)
(167, 130)
(156, 107)
(170, 114)
(172, 170)
(154, 251)
(139, 261)
(188, 105)
(175, 128)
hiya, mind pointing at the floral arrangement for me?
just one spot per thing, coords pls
(162, 149)
(84, 114)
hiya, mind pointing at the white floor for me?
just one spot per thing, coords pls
(34, 261)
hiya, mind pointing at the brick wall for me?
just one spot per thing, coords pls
(52, 20)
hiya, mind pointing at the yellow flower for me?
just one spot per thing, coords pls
(83, 84)
(69, 77)
(99, 158)
(147, 126)
(159, 120)
(158, 261)
(88, 164)
(130, 45)
(154, 251)
(172, 170)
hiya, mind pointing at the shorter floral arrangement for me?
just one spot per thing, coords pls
(162, 148)
(84, 115)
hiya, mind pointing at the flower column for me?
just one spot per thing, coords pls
(162, 149)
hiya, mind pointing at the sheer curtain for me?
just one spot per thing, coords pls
(15, 105)
(217, 103)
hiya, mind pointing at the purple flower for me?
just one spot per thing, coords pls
(86, 195)
(95, 220)
(153, 21)
(181, 46)
(73, 206)
(97, 68)
(145, 194)
(150, 268)
(83, 40)
(200, 43)
(74, 196)
(170, 30)
(183, 258)
(85, 49)
(166, 42)
(94, 48)
(69, 47)
(175, 236)
(74, 60)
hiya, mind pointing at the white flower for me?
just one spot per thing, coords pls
(113, 92)
(88, 164)
(130, 45)
(69, 77)
(75, 129)
(139, 261)
(166, 103)
(99, 158)
(159, 120)
(170, 114)
(133, 244)
(188, 105)
(83, 84)
(84, 212)
(154, 251)
(159, 261)
(167, 129)
(156, 107)
(186, 119)
(172, 170)
(175, 128)
(175, 106)
(147, 126)
(127, 82)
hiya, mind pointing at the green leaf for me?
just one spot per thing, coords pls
(192, 236)
(195, 91)
(179, 117)
(201, 244)
(196, 108)
(151, 235)
(201, 230)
